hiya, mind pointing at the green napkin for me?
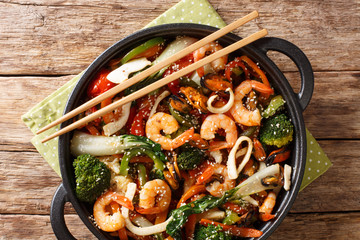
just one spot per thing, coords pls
(187, 11)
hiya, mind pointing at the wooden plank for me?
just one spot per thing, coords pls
(39, 227)
(20, 96)
(295, 226)
(64, 37)
(27, 174)
(319, 226)
(339, 109)
(337, 190)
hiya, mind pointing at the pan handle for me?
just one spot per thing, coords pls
(299, 58)
(57, 214)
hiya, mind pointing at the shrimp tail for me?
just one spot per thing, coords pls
(182, 139)
(261, 87)
(152, 210)
(123, 201)
(266, 216)
(214, 146)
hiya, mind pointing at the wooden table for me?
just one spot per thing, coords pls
(45, 43)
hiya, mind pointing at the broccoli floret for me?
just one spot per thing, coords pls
(210, 232)
(92, 177)
(276, 104)
(190, 157)
(277, 131)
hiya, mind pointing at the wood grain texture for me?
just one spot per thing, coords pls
(339, 109)
(295, 226)
(43, 44)
(27, 173)
(68, 35)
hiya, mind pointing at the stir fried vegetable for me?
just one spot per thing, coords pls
(200, 158)
(92, 177)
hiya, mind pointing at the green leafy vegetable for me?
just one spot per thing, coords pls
(210, 232)
(142, 48)
(83, 143)
(249, 186)
(190, 157)
(92, 177)
(274, 106)
(180, 215)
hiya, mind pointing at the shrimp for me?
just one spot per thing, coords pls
(208, 49)
(105, 220)
(154, 192)
(267, 207)
(214, 122)
(240, 113)
(217, 188)
(168, 124)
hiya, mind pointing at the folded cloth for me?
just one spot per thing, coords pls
(186, 11)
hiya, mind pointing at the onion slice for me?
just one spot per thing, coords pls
(287, 176)
(251, 201)
(212, 214)
(141, 231)
(115, 126)
(224, 108)
(217, 156)
(157, 101)
(122, 73)
(233, 172)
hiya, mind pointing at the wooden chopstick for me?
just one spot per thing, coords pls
(155, 68)
(159, 83)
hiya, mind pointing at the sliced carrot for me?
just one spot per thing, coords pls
(109, 116)
(161, 217)
(206, 175)
(218, 145)
(190, 227)
(123, 234)
(153, 210)
(249, 168)
(114, 207)
(236, 208)
(266, 216)
(149, 52)
(235, 231)
(169, 238)
(256, 69)
(137, 237)
(122, 200)
(197, 196)
(195, 189)
(195, 172)
(92, 129)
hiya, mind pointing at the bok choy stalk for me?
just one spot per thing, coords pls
(249, 186)
(83, 143)
(159, 165)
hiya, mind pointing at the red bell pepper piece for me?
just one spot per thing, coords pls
(176, 66)
(131, 118)
(233, 64)
(99, 84)
(137, 127)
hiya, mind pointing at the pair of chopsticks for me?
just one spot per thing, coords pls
(153, 69)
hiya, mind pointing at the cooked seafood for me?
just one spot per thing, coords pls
(185, 156)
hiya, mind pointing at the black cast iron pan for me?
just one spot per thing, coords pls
(296, 103)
